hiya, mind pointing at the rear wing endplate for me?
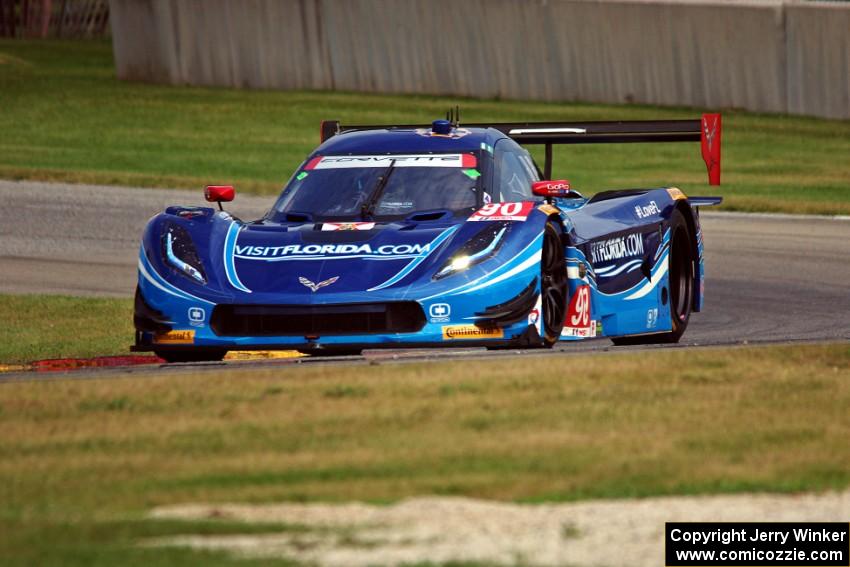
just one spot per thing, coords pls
(706, 131)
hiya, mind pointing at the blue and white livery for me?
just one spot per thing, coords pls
(408, 236)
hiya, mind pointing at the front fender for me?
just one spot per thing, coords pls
(208, 231)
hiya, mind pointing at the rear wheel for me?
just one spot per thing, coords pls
(679, 296)
(206, 355)
(553, 285)
(681, 282)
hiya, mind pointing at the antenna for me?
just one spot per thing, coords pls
(453, 116)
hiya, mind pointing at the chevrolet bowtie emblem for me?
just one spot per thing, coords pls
(709, 134)
(314, 287)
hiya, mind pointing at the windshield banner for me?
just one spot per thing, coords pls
(405, 160)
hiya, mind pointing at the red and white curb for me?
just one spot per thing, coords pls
(71, 364)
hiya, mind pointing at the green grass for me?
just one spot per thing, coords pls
(81, 461)
(42, 326)
(108, 543)
(65, 117)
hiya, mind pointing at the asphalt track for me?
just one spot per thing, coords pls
(770, 278)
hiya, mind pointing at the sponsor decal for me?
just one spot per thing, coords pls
(616, 248)
(583, 333)
(514, 211)
(553, 188)
(440, 312)
(578, 322)
(331, 226)
(455, 134)
(676, 193)
(197, 316)
(460, 332)
(329, 251)
(649, 210)
(651, 318)
(314, 287)
(191, 213)
(534, 318)
(466, 161)
(396, 205)
(175, 338)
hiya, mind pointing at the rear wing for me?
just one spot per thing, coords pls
(705, 130)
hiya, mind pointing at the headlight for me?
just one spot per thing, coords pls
(180, 252)
(480, 247)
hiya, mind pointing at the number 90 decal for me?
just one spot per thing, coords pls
(515, 211)
(578, 322)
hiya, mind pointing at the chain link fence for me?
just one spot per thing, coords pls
(26, 19)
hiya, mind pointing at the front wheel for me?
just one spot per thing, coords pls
(553, 285)
(680, 296)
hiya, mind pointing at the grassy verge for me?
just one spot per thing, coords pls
(108, 543)
(77, 457)
(43, 326)
(65, 117)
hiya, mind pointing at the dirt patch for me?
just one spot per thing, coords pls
(441, 530)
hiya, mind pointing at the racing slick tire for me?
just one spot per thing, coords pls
(206, 355)
(680, 292)
(553, 292)
(553, 285)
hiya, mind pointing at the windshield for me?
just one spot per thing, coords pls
(381, 187)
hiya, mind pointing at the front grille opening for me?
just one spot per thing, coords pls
(313, 320)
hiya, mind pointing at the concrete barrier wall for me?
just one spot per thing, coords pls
(818, 38)
(762, 55)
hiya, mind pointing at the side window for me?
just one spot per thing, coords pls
(514, 173)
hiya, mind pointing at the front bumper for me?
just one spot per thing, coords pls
(187, 322)
(441, 334)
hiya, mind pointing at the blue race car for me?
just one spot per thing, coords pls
(412, 236)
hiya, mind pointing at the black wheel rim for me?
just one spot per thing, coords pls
(553, 284)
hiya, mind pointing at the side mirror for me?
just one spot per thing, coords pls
(219, 194)
(551, 189)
